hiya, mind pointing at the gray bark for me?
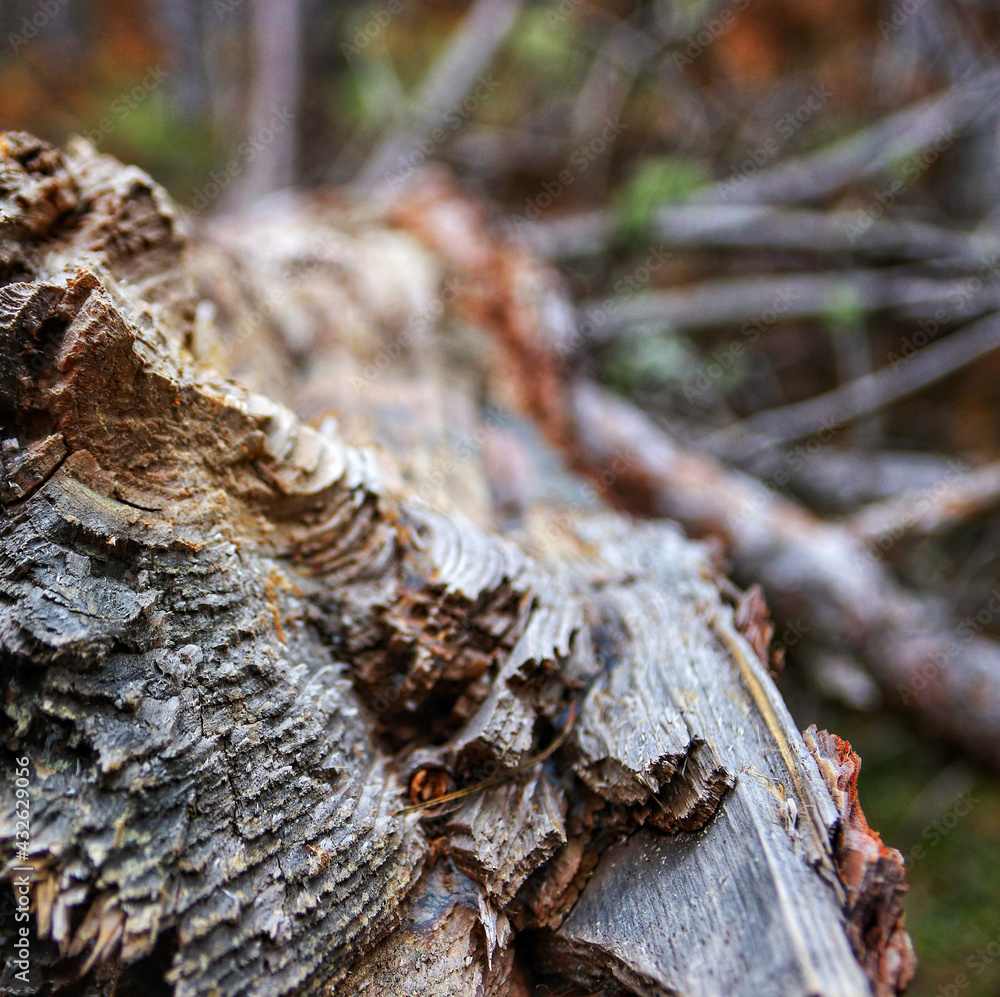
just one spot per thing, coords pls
(236, 649)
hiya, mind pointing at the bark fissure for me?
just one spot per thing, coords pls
(230, 644)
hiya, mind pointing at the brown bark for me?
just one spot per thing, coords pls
(237, 651)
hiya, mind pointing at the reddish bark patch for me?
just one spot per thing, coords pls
(872, 873)
(498, 287)
(753, 620)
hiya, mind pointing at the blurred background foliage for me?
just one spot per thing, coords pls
(644, 106)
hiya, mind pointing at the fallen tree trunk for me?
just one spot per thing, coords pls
(289, 722)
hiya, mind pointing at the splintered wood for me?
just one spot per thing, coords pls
(231, 643)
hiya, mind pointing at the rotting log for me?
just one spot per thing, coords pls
(248, 663)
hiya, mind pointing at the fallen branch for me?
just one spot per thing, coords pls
(928, 511)
(766, 226)
(923, 659)
(734, 301)
(898, 379)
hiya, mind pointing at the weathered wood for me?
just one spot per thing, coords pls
(235, 648)
(926, 661)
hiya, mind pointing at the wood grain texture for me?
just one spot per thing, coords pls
(230, 641)
(925, 660)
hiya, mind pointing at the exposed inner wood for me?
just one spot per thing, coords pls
(235, 646)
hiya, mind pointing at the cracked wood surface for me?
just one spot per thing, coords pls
(234, 646)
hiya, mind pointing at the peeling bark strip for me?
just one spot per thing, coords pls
(873, 874)
(228, 649)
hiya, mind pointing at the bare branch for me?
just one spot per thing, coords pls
(901, 377)
(471, 49)
(955, 499)
(818, 175)
(736, 300)
(772, 227)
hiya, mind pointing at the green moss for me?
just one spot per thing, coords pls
(546, 41)
(654, 182)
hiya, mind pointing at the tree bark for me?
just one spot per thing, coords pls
(248, 663)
